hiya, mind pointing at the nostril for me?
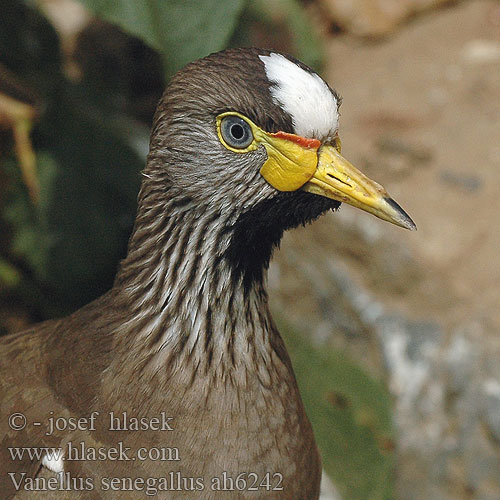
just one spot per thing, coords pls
(337, 179)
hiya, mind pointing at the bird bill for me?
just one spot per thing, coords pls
(338, 179)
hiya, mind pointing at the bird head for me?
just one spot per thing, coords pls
(255, 133)
(245, 125)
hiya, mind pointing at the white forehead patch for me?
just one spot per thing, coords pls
(304, 96)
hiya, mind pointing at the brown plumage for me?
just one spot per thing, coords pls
(185, 332)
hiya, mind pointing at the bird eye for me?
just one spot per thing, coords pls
(236, 132)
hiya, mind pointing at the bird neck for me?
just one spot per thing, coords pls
(184, 297)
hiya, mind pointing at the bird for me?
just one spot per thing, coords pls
(176, 382)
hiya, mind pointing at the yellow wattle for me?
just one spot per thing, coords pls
(289, 165)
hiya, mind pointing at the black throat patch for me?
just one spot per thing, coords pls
(258, 231)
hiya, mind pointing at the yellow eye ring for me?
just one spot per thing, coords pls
(236, 132)
(291, 159)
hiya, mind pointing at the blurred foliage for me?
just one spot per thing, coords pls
(9, 275)
(283, 25)
(180, 30)
(351, 416)
(89, 144)
(90, 141)
(70, 241)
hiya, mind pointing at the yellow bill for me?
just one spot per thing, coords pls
(338, 179)
(295, 162)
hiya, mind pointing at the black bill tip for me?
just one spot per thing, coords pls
(402, 218)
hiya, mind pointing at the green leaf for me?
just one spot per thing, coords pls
(181, 30)
(351, 416)
(305, 42)
(9, 275)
